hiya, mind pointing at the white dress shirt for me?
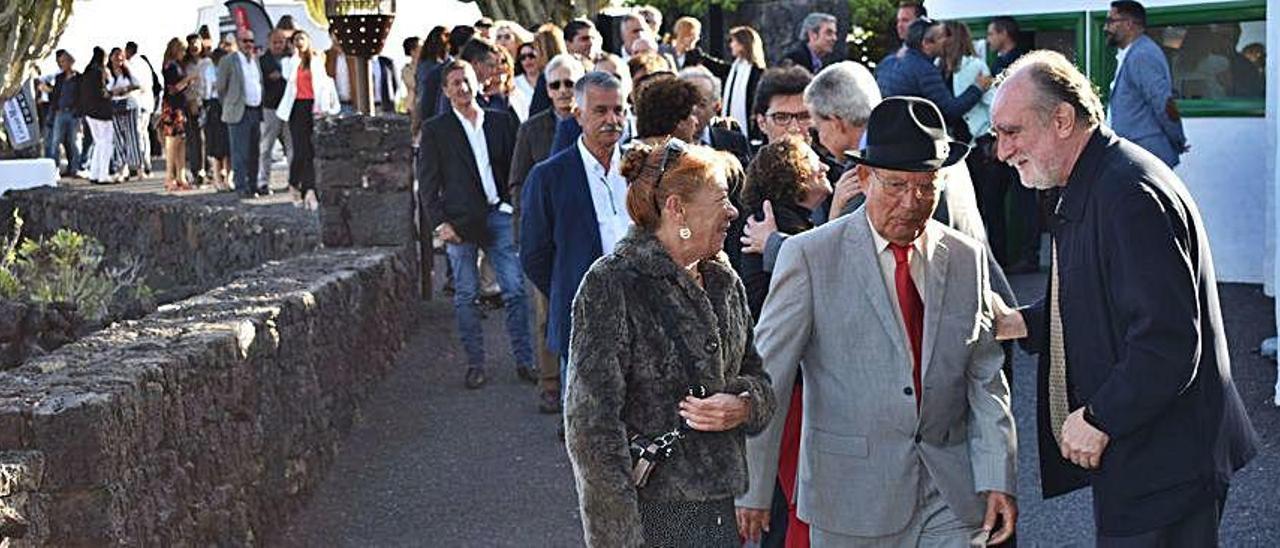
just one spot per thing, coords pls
(342, 79)
(1120, 55)
(480, 151)
(735, 94)
(608, 195)
(252, 80)
(917, 259)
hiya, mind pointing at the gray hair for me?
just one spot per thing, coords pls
(565, 61)
(594, 79)
(813, 21)
(845, 90)
(1058, 81)
(696, 72)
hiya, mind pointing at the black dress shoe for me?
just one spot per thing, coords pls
(475, 377)
(549, 402)
(527, 374)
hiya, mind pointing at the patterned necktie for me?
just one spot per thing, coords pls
(1058, 406)
(912, 308)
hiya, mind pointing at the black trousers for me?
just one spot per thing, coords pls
(302, 166)
(1199, 529)
(195, 147)
(992, 180)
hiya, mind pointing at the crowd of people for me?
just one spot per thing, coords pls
(761, 297)
(675, 238)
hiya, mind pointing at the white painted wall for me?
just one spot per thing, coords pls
(1231, 170)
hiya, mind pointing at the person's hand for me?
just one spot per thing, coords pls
(1081, 443)
(716, 413)
(1002, 506)
(447, 234)
(752, 522)
(1010, 324)
(847, 188)
(756, 233)
(983, 82)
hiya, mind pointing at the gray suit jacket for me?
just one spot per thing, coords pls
(863, 443)
(231, 86)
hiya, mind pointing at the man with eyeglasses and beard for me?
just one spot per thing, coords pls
(533, 145)
(574, 205)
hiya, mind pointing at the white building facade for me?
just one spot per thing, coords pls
(1231, 169)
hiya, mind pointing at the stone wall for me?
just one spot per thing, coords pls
(187, 244)
(209, 421)
(364, 181)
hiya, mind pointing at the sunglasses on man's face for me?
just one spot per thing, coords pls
(556, 85)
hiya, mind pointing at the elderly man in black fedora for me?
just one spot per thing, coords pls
(904, 401)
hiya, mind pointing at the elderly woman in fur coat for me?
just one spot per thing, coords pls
(660, 315)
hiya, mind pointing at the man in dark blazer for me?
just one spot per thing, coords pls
(717, 136)
(562, 231)
(533, 145)
(466, 157)
(817, 42)
(1135, 390)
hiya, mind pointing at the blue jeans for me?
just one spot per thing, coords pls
(66, 130)
(245, 137)
(466, 281)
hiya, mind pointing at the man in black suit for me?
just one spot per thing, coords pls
(1135, 390)
(466, 157)
(533, 145)
(817, 41)
(716, 136)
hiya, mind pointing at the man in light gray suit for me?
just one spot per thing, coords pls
(907, 438)
(240, 87)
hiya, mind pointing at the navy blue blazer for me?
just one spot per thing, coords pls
(559, 237)
(1145, 346)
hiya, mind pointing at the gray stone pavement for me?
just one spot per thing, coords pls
(433, 464)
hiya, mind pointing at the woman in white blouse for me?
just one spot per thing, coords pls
(127, 149)
(308, 92)
(526, 81)
(744, 75)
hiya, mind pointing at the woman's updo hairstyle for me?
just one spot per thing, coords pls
(687, 172)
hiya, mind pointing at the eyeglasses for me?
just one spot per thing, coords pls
(528, 56)
(674, 149)
(899, 188)
(784, 118)
(556, 85)
(504, 36)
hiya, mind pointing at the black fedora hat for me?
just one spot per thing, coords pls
(908, 134)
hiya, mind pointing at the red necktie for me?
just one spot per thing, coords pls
(912, 308)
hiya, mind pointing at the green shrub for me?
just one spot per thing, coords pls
(69, 267)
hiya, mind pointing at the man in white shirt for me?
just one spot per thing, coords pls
(574, 205)
(466, 158)
(240, 87)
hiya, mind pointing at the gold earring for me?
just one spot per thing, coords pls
(685, 233)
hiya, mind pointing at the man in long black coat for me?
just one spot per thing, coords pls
(1135, 390)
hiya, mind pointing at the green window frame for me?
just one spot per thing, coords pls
(1074, 21)
(1103, 60)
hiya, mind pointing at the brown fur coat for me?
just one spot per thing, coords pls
(626, 370)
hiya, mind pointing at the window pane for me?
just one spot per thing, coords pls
(1060, 40)
(1215, 60)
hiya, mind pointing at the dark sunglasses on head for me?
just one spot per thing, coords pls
(674, 149)
(556, 85)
